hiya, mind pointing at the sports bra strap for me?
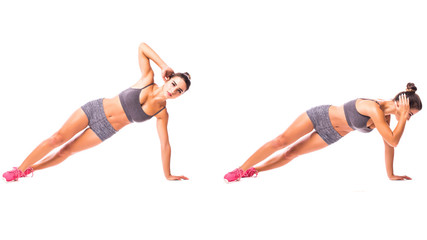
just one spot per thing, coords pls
(371, 100)
(158, 111)
(147, 85)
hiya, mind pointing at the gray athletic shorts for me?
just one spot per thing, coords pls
(98, 122)
(319, 116)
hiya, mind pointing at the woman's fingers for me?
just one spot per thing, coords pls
(177, 178)
(183, 178)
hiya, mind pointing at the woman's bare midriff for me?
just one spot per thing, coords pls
(338, 120)
(115, 114)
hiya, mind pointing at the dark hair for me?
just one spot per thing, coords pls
(414, 99)
(185, 76)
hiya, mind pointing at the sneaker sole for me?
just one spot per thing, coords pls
(226, 181)
(4, 179)
(254, 176)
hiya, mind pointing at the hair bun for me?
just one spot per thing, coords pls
(189, 76)
(410, 87)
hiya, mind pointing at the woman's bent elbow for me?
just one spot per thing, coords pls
(392, 144)
(142, 45)
(166, 147)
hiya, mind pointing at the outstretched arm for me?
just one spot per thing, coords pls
(162, 130)
(145, 54)
(389, 159)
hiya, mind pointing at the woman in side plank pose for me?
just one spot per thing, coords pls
(102, 118)
(323, 125)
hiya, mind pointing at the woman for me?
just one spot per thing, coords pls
(102, 118)
(324, 125)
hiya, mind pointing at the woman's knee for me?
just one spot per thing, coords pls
(290, 153)
(65, 151)
(280, 142)
(57, 139)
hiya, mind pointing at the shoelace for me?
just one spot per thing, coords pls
(251, 172)
(238, 172)
(31, 170)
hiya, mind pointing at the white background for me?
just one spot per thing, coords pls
(255, 65)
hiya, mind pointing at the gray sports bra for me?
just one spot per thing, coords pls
(354, 119)
(129, 99)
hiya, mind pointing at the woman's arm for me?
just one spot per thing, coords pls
(392, 138)
(162, 130)
(389, 158)
(145, 54)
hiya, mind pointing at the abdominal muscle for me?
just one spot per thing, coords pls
(338, 120)
(114, 112)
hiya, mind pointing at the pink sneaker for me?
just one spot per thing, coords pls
(251, 172)
(13, 175)
(28, 171)
(234, 175)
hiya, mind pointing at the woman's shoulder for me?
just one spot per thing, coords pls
(367, 106)
(144, 83)
(163, 114)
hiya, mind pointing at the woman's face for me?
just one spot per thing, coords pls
(174, 88)
(412, 112)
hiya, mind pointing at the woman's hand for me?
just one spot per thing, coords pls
(171, 177)
(394, 177)
(167, 73)
(403, 106)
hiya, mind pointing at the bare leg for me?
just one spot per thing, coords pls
(77, 122)
(300, 127)
(86, 140)
(310, 143)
